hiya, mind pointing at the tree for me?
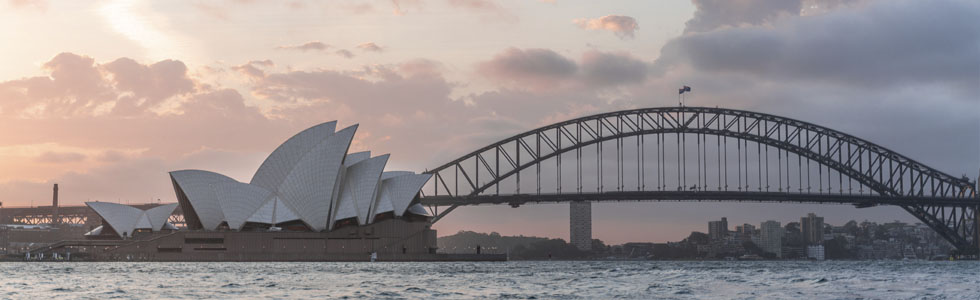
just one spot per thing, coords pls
(599, 247)
(548, 249)
(835, 249)
(698, 238)
(852, 228)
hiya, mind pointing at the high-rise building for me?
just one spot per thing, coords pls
(718, 229)
(580, 224)
(745, 230)
(812, 229)
(772, 237)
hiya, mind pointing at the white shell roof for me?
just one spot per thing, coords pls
(125, 219)
(239, 201)
(356, 157)
(273, 212)
(402, 190)
(360, 185)
(281, 161)
(198, 186)
(158, 215)
(382, 201)
(418, 210)
(309, 187)
(310, 177)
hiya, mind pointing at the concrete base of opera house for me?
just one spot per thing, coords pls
(389, 240)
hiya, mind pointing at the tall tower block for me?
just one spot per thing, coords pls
(580, 224)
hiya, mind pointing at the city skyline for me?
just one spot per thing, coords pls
(181, 88)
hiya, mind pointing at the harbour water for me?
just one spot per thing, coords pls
(509, 280)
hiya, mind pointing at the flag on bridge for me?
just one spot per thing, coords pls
(683, 89)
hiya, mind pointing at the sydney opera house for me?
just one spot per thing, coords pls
(309, 200)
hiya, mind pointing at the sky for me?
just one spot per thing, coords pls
(106, 97)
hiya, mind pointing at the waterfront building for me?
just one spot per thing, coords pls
(745, 232)
(718, 230)
(812, 229)
(815, 252)
(771, 237)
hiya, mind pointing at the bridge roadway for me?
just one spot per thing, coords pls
(516, 200)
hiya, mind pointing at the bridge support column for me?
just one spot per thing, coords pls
(580, 224)
(976, 229)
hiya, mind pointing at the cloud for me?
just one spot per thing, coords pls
(59, 157)
(623, 26)
(543, 69)
(607, 69)
(124, 105)
(308, 46)
(370, 47)
(359, 8)
(345, 53)
(712, 14)
(253, 69)
(885, 43)
(538, 68)
(485, 6)
(38, 4)
(400, 7)
(149, 84)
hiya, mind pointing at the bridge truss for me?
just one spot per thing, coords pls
(704, 154)
(70, 215)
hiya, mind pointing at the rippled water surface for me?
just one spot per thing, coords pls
(514, 280)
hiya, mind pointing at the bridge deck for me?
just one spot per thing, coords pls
(736, 196)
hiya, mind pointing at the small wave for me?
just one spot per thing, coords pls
(388, 294)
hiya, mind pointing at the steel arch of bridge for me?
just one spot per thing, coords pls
(947, 204)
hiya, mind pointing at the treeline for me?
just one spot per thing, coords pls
(518, 247)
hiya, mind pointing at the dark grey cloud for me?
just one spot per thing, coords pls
(892, 42)
(712, 14)
(608, 69)
(535, 68)
(539, 69)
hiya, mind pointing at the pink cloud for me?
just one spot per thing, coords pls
(370, 47)
(60, 157)
(484, 6)
(622, 26)
(400, 7)
(253, 69)
(38, 4)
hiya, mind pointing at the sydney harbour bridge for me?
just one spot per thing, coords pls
(703, 154)
(678, 154)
